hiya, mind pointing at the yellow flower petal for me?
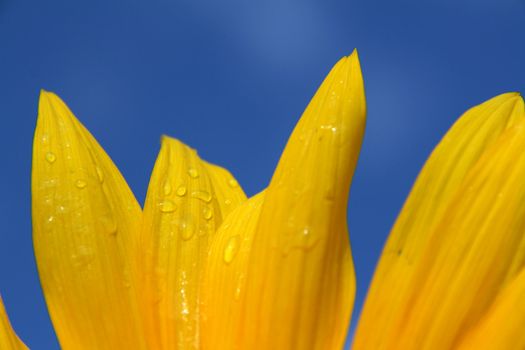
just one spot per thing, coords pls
(8, 338)
(299, 283)
(86, 223)
(187, 200)
(225, 276)
(502, 326)
(446, 267)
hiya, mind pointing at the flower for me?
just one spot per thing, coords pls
(200, 266)
(203, 267)
(452, 271)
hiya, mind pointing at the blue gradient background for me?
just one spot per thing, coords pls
(231, 79)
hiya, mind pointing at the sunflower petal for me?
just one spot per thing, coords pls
(298, 286)
(476, 249)
(86, 223)
(502, 326)
(187, 200)
(225, 275)
(437, 185)
(8, 338)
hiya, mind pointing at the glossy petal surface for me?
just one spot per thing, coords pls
(86, 224)
(187, 201)
(447, 256)
(292, 284)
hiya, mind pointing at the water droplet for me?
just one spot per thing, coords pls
(109, 225)
(232, 248)
(233, 183)
(166, 188)
(45, 138)
(306, 239)
(186, 230)
(207, 213)
(167, 206)
(302, 239)
(181, 191)
(61, 209)
(193, 173)
(202, 195)
(48, 223)
(228, 202)
(80, 184)
(100, 174)
(50, 157)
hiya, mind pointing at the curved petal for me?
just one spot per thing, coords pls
(299, 282)
(437, 185)
(187, 200)
(225, 275)
(86, 223)
(8, 338)
(502, 326)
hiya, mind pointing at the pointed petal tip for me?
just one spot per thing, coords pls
(508, 96)
(167, 141)
(354, 55)
(50, 105)
(47, 97)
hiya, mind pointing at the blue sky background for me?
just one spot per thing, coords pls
(231, 78)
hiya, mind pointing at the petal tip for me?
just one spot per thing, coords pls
(50, 105)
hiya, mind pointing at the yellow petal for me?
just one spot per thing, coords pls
(187, 200)
(438, 183)
(86, 223)
(225, 276)
(502, 325)
(8, 338)
(297, 280)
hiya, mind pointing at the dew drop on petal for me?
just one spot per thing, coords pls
(186, 230)
(109, 225)
(207, 213)
(233, 183)
(80, 184)
(231, 249)
(50, 220)
(181, 191)
(193, 173)
(202, 195)
(167, 206)
(166, 189)
(50, 157)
